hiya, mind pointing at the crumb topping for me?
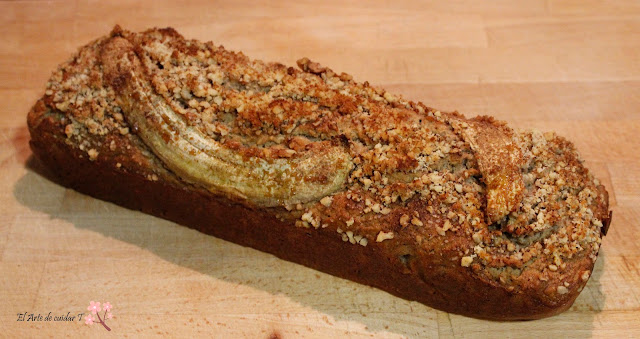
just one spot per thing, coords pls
(93, 120)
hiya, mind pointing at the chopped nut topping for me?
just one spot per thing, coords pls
(350, 237)
(562, 290)
(416, 222)
(458, 188)
(363, 242)
(466, 261)
(308, 219)
(93, 154)
(404, 220)
(375, 208)
(326, 201)
(382, 236)
(68, 130)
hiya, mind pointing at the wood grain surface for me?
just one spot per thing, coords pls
(568, 66)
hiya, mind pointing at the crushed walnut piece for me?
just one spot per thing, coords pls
(93, 154)
(326, 201)
(466, 261)
(382, 236)
(562, 290)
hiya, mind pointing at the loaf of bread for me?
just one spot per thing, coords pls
(463, 215)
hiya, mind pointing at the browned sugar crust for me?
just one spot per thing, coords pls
(413, 218)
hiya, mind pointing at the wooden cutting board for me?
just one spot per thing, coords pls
(568, 66)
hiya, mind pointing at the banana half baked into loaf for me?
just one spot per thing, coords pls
(464, 215)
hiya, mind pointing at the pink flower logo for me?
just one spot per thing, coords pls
(95, 309)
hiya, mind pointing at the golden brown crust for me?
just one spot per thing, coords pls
(464, 215)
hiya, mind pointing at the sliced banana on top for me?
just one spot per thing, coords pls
(202, 161)
(499, 161)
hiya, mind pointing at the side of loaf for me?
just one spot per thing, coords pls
(464, 215)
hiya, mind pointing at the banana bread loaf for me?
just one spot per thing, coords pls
(464, 215)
